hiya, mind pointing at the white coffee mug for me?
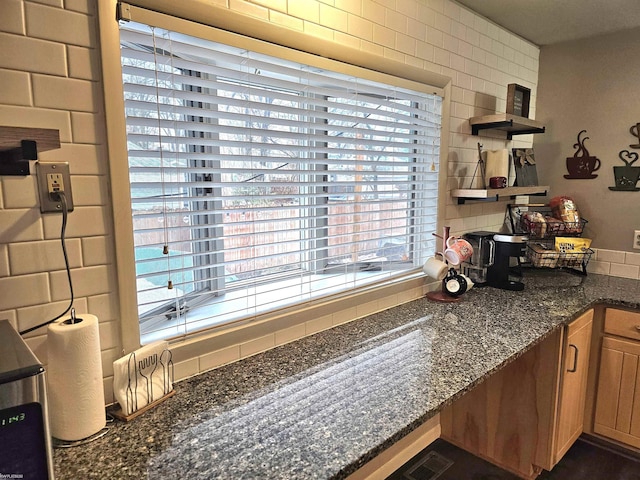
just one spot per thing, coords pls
(458, 250)
(435, 268)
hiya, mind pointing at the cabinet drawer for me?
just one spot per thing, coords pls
(622, 323)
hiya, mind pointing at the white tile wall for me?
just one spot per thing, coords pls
(60, 25)
(60, 93)
(16, 87)
(318, 324)
(219, 357)
(4, 261)
(632, 258)
(616, 264)
(24, 290)
(51, 78)
(31, 55)
(30, 257)
(201, 362)
(290, 334)
(20, 192)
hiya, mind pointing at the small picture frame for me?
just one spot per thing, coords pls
(518, 100)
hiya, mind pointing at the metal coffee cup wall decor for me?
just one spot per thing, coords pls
(582, 164)
(627, 177)
(635, 131)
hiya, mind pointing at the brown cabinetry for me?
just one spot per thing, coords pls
(617, 412)
(526, 416)
(574, 384)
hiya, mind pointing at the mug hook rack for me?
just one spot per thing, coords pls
(439, 295)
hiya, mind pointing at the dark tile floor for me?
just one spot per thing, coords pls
(586, 460)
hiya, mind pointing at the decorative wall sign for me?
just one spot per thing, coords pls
(582, 165)
(525, 167)
(518, 99)
(626, 177)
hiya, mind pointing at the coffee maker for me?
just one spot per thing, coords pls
(476, 268)
(508, 250)
(24, 422)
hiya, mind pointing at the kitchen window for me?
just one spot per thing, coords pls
(257, 182)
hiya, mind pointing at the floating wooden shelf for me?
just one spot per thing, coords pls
(18, 145)
(46, 138)
(506, 122)
(494, 194)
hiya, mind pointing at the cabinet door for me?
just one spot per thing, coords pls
(573, 387)
(618, 397)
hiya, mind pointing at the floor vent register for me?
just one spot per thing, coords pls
(430, 467)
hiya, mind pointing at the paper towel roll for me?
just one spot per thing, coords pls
(74, 378)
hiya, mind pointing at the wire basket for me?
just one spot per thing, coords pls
(538, 225)
(542, 256)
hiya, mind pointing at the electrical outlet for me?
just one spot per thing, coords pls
(53, 178)
(636, 239)
(55, 185)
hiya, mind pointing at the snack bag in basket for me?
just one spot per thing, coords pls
(565, 209)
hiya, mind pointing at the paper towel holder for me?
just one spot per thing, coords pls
(72, 320)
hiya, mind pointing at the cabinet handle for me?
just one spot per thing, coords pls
(638, 328)
(575, 360)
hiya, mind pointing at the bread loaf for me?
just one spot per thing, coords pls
(564, 208)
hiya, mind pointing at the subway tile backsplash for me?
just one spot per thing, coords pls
(615, 263)
(630, 269)
(351, 311)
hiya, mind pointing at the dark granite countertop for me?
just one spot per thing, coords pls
(323, 406)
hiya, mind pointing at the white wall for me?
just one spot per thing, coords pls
(50, 76)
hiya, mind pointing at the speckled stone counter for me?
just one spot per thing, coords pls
(323, 406)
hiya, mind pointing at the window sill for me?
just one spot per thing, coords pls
(242, 305)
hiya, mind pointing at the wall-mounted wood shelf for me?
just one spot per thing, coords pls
(46, 138)
(505, 122)
(18, 145)
(494, 194)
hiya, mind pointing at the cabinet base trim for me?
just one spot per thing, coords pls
(534, 473)
(400, 453)
(617, 435)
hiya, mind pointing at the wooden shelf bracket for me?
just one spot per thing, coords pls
(510, 124)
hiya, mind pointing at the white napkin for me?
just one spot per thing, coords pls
(143, 376)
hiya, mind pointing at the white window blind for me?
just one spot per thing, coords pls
(257, 182)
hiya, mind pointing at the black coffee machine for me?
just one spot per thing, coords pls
(483, 256)
(508, 250)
